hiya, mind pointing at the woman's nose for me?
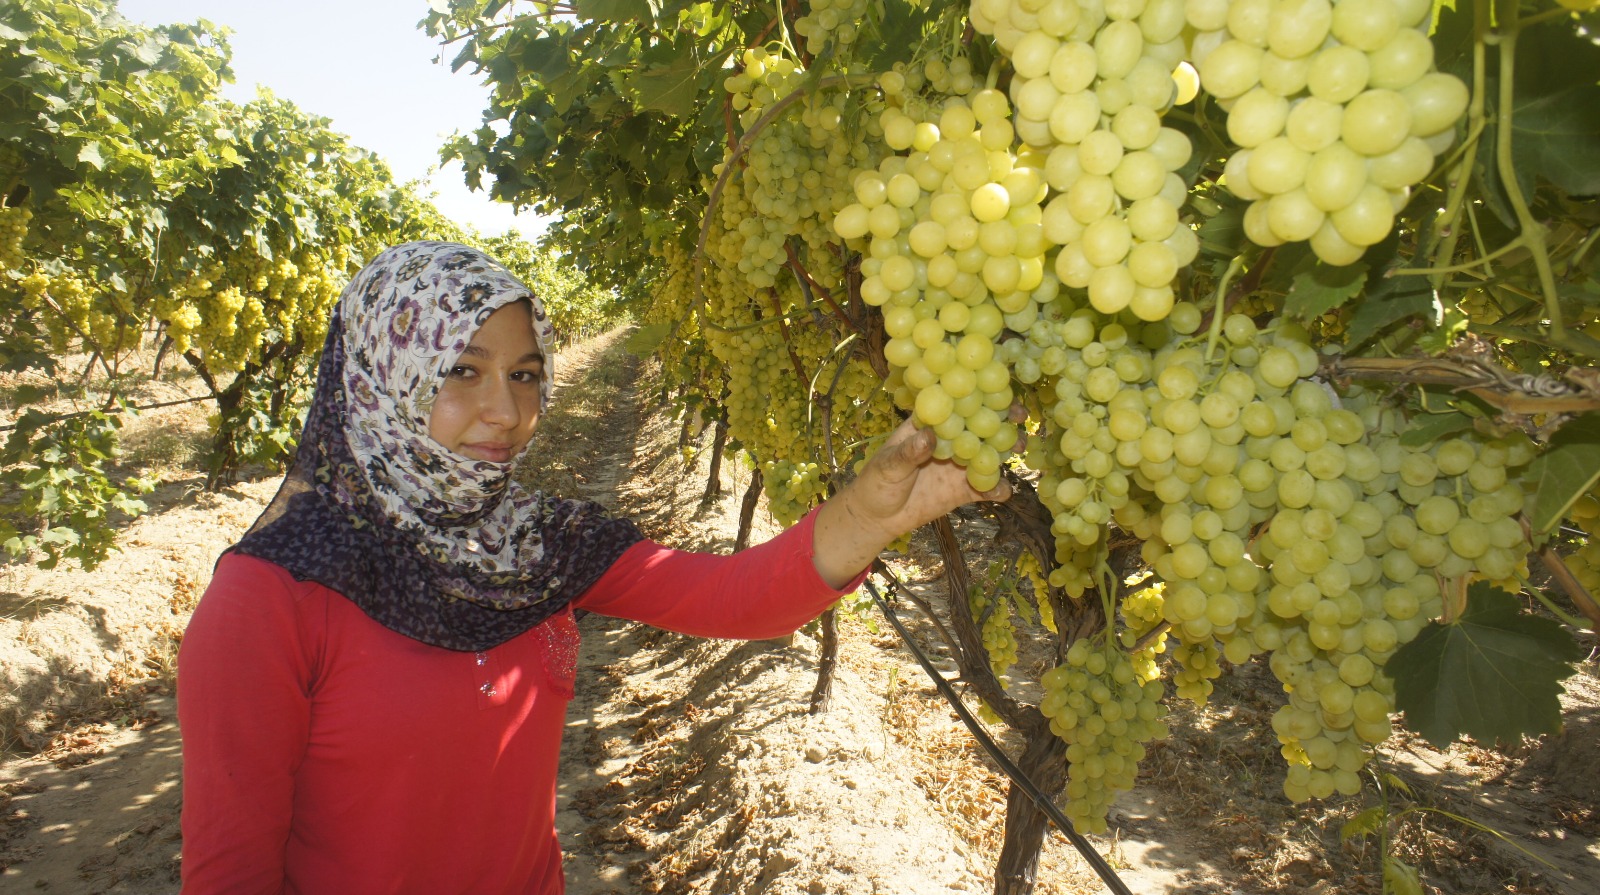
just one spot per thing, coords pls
(500, 406)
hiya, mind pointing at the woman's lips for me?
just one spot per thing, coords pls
(495, 453)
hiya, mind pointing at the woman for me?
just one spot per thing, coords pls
(373, 688)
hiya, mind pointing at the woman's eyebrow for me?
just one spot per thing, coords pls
(532, 357)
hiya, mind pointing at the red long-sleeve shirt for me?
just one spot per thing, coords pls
(324, 753)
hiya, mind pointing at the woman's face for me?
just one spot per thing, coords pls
(490, 399)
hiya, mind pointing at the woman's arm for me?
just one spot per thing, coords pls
(244, 712)
(766, 591)
(772, 589)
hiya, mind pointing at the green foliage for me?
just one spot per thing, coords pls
(1556, 118)
(1493, 673)
(1319, 288)
(133, 199)
(98, 129)
(59, 494)
(1568, 469)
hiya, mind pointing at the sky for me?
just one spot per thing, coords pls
(367, 66)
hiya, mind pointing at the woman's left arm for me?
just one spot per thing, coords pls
(772, 589)
(901, 487)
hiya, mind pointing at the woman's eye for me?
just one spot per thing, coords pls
(460, 371)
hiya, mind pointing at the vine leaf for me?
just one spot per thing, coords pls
(1319, 288)
(1400, 878)
(1224, 231)
(1427, 429)
(1367, 823)
(1555, 118)
(670, 88)
(615, 10)
(1389, 299)
(1555, 136)
(89, 154)
(1492, 674)
(1566, 470)
(900, 31)
(644, 340)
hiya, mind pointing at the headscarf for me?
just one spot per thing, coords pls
(432, 544)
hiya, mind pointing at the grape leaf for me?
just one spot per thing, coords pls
(1224, 231)
(1400, 878)
(899, 33)
(1555, 135)
(671, 88)
(1555, 118)
(1367, 823)
(644, 340)
(1431, 427)
(1389, 299)
(1566, 470)
(615, 10)
(1321, 287)
(1492, 674)
(89, 153)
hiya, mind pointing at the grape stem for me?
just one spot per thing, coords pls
(1554, 13)
(783, 327)
(1510, 392)
(1538, 594)
(1218, 306)
(1147, 637)
(87, 339)
(973, 658)
(1532, 231)
(548, 11)
(806, 279)
(114, 409)
(1583, 249)
(1456, 268)
(826, 401)
(1442, 241)
(1579, 594)
(1454, 592)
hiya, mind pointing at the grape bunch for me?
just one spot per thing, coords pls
(954, 255)
(1280, 516)
(71, 303)
(998, 632)
(792, 489)
(1105, 710)
(1091, 83)
(13, 230)
(228, 308)
(830, 21)
(1336, 108)
(1028, 568)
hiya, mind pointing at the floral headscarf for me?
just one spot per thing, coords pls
(432, 544)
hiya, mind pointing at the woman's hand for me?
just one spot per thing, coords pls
(901, 488)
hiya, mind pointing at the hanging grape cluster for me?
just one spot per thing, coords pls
(14, 222)
(229, 308)
(1336, 109)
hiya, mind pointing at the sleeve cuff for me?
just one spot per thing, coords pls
(807, 551)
